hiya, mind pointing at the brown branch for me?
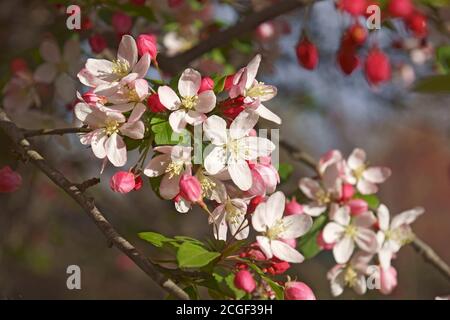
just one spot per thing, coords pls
(24, 148)
(419, 245)
(431, 256)
(218, 39)
(47, 132)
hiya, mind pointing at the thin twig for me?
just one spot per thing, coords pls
(218, 39)
(87, 184)
(26, 150)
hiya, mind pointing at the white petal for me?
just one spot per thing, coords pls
(182, 206)
(377, 174)
(215, 160)
(128, 50)
(342, 215)
(265, 113)
(385, 257)
(356, 159)
(168, 98)
(296, 226)
(221, 229)
(177, 120)
(169, 187)
(141, 87)
(240, 174)
(366, 187)
(343, 249)
(275, 208)
(250, 148)
(313, 209)
(309, 187)
(252, 70)
(98, 144)
(157, 166)
(337, 283)
(365, 220)
(141, 68)
(332, 232)
(206, 101)
(383, 217)
(189, 83)
(65, 87)
(285, 252)
(134, 130)
(101, 69)
(366, 240)
(45, 73)
(264, 245)
(137, 112)
(116, 150)
(195, 118)
(243, 123)
(406, 217)
(360, 285)
(268, 92)
(216, 130)
(259, 220)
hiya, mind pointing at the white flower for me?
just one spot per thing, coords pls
(105, 76)
(192, 106)
(245, 84)
(59, 68)
(366, 178)
(172, 163)
(344, 232)
(393, 236)
(230, 214)
(232, 148)
(268, 219)
(105, 138)
(352, 275)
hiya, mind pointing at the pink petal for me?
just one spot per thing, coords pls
(189, 83)
(177, 120)
(168, 98)
(356, 159)
(128, 50)
(206, 101)
(377, 174)
(285, 252)
(343, 249)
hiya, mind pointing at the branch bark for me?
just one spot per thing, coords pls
(177, 63)
(419, 245)
(25, 149)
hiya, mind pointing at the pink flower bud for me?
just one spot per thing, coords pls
(146, 43)
(206, 84)
(388, 280)
(348, 191)
(92, 99)
(122, 182)
(322, 244)
(256, 254)
(154, 104)
(121, 23)
(307, 54)
(279, 267)
(243, 280)
(138, 183)
(10, 181)
(358, 206)
(97, 43)
(190, 188)
(295, 290)
(293, 207)
(229, 82)
(18, 65)
(254, 202)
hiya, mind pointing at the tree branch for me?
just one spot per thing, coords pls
(419, 245)
(113, 237)
(218, 39)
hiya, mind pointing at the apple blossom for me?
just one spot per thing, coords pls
(364, 177)
(190, 188)
(345, 231)
(254, 92)
(122, 182)
(192, 106)
(10, 181)
(171, 164)
(243, 280)
(388, 280)
(269, 221)
(394, 234)
(104, 75)
(357, 206)
(230, 215)
(105, 137)
(231, 149)
(295, 290)
(146, 43)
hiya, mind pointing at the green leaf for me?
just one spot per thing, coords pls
(154, 238)
(371, 199)
(219, 84)
(238, 293)
(443, 59)
(163, 132)
(434, 84)
(131, 144)
(285, 170)
(190, 255)
(278, 289)
(307, 244)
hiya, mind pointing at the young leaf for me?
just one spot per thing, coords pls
(285, 170)
(307, 244)
(371, 199)
(154, 238)
(190, 255)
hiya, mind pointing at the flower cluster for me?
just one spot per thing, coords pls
(356, 227)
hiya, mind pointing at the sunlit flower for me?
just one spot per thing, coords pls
(230, 215)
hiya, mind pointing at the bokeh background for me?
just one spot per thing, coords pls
(42, 230)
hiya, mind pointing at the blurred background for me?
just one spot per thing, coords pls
(42, 231)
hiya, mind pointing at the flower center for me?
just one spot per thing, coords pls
(351, 231)
(274, 231)
(358, 172)
(120, 67)
(402, 235)
(112, 126)
(206, 184)
(133, 96)
(322, 197)
(189, 102)
(174, 168)
(350, 277)
(258, 90)
(233, 213)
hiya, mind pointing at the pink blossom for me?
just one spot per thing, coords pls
(206, 84)
(121, 23)
(322, 244)
(146, 43)
(293, 207)
(10, 181)
(154, 104)
(122, 182)
(243, 280)
(97, 43)
(388, 280)
(190, 188)
(348, 191)
(358, 206)
(295, 290)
